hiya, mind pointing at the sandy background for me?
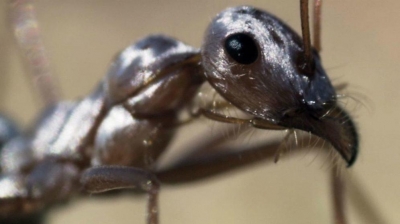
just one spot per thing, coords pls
(360, 46)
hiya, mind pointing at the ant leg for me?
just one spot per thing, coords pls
(338, 193)
(257, 123)
(27, 35)
(106, 178)
(209, 160)
(194, 169)
(363, 202)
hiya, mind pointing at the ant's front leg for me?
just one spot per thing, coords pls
(211, 159)
(106, 178)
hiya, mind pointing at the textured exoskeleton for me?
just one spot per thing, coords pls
(113, 138)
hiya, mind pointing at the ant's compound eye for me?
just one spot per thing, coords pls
(242, 48)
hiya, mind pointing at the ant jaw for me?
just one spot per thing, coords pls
(336, 127)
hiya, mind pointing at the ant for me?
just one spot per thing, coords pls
(113, 138)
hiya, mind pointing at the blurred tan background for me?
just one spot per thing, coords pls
(361, 46)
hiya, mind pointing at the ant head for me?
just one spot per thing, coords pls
(256, 62)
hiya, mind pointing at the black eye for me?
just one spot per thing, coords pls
(242, 48)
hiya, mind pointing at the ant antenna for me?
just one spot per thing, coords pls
(305, 30)
(317, 24)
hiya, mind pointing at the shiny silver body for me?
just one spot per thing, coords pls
(44, 165)
(130, 118)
